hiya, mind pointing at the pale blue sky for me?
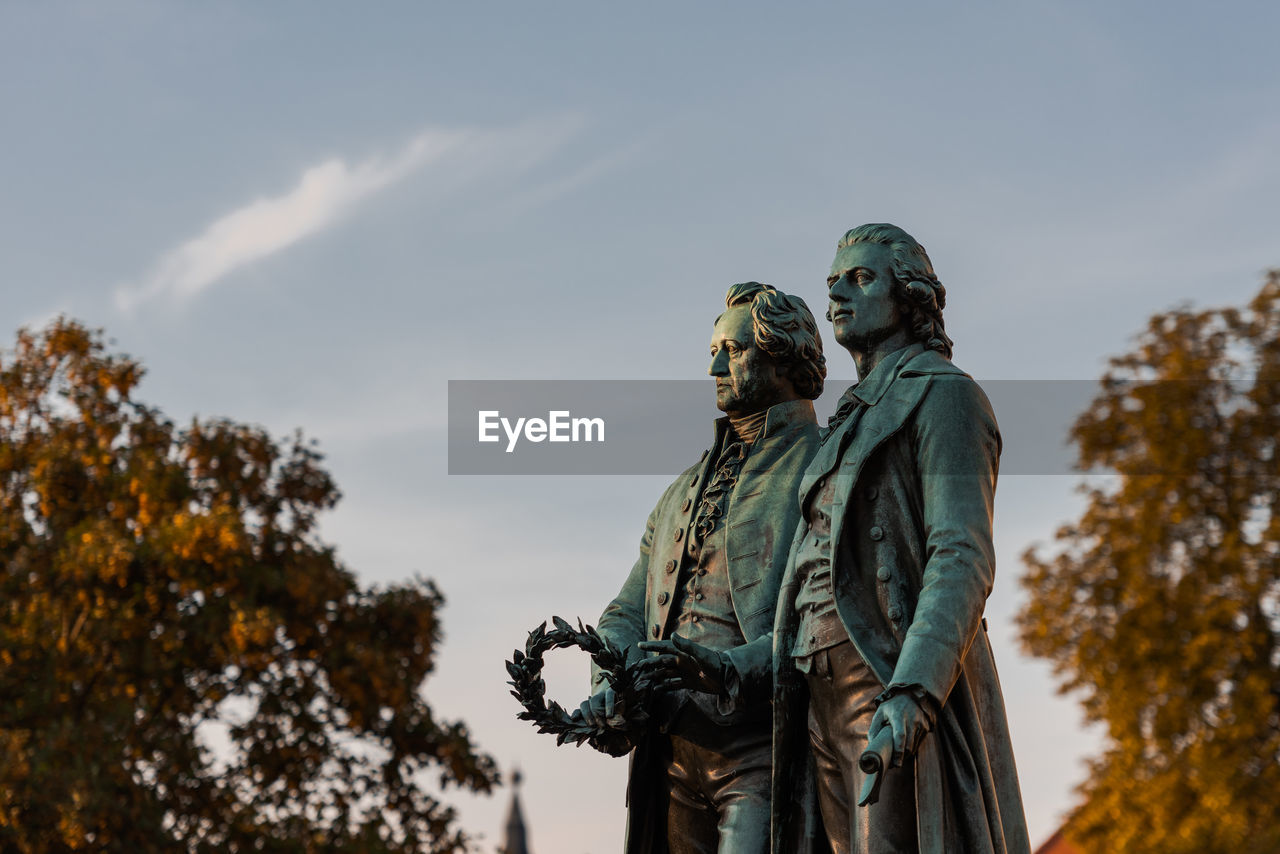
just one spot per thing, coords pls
(303, 214)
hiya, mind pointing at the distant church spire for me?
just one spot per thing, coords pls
(516, 841)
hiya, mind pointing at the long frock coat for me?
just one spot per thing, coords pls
(761, 515)
(912, 566)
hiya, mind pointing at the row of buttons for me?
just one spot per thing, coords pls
(895, 615)
(672, 565)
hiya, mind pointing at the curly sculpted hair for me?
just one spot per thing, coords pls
(785, 330)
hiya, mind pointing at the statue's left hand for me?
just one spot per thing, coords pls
(681, 663)
(908, 721)
(600, 708)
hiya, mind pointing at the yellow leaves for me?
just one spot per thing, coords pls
(1151, 608)
(239, 633)
(251, 632)
(154, 570)
(72, 830)
(144, 515)
(101, 551)
(106, 380)
(215, 538)
(230, 538)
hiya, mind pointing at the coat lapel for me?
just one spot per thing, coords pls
(823, 461)
(887, 409)
(877, 424)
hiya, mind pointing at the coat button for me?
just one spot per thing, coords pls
(654, 631)
(883, 573)
(876, 532)
(694, 618)
(872, 493)
(671, 565)
(698, 596)
(688, 502)
(663, 597)
(679, 534)
(895, 614)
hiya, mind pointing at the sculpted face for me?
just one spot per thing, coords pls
(863, 311)
(747, 380)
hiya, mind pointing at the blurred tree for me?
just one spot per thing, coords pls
(183, 664)
(1162, 607)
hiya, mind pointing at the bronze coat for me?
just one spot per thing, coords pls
(761, 516)
(912, 565)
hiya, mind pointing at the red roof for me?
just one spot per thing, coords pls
(1057, 844)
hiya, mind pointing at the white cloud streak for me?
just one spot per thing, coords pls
(267, 225)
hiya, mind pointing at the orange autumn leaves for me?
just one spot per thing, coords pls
(162, 584)
(1161, 606)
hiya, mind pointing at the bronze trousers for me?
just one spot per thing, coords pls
(718, 783)
(842, 690)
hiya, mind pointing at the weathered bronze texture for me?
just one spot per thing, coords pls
(913, 453)
(711, 561)
(896, 535)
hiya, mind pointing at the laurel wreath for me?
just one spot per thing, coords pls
(632, 692)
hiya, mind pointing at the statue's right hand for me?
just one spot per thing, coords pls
(599, 707)
(681, 663)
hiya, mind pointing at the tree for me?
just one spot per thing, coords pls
(184, 665)
(1161, 607)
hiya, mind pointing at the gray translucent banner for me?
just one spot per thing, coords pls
(661, 427)
(623, 427)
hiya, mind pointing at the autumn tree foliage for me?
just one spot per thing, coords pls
(1161, 606)
(184, 665)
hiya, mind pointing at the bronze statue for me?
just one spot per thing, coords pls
(711, 561)
(879, 628)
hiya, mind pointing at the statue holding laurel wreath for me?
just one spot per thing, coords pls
(839, 591)
(888, 712)
(710, 565)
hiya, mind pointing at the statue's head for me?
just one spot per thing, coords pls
(765, 349)
(881, 282)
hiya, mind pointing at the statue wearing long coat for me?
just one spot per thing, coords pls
(761, 515)
(912, 566)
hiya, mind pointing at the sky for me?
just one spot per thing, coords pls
(315, 215)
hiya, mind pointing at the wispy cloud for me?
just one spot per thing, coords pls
(585, 174)
(267, 225)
